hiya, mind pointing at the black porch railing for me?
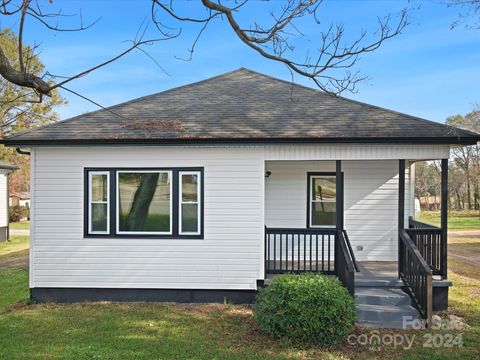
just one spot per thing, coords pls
(345, 263)
(417, 276)
(299, 250)
(428, 240)
(325, 250)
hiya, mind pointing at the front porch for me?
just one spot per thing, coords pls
(358, 228)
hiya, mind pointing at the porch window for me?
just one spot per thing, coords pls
(322, 200)
(144, 202)
(98, 202)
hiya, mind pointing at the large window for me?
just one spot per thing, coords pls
(322, 202)
(147, 202)
(144, 202)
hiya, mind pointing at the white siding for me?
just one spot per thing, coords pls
(356, 152)
(3, 199)
(238, 203)
(229, 257)
(371, 201)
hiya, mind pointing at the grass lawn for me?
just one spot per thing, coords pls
(171, 331)
(13, 246)
(20, 225)
(457, 220)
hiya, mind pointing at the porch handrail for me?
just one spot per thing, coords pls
(417, 276)
(345, 267)
(428, 240)
(350, 250)
(415, 224)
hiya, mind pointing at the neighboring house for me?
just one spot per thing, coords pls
(5, 169)
(201, 192)
(19, 199)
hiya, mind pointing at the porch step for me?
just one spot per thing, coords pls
(381, 296)
(378, 283)
(383, 307)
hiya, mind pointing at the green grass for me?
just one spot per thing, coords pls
(13, 245)
(20, 225)
(457, 220)
(13, 288)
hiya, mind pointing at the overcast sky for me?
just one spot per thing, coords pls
(429, 71)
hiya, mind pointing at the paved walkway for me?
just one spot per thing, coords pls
(19, 232)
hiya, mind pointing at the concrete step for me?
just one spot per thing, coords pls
(378, 283)
(381, 296)
(385, 314)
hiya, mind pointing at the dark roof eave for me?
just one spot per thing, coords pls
(454, 140)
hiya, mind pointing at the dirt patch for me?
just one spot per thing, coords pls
(464, 245)
(15, 260)
(464, 233)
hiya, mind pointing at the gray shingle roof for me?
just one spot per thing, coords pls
(242, 106)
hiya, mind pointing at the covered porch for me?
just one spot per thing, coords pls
(354, 219)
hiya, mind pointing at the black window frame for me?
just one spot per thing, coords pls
(113, 203)
(323, 173)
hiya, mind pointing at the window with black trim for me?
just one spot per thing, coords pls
(98, 202)
(146, 202)
(322, 200)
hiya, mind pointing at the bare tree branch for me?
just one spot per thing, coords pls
(328, 65)
(275, 42)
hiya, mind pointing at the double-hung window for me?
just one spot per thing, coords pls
(98, 204)
(322, 201)
(145, 203)
(189, 200)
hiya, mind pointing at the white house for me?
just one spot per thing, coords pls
(19, 198)
(198, 193)
(5, 169)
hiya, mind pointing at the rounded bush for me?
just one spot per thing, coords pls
(307, 308)
(17, 213)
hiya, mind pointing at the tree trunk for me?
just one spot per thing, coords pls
(469, 189)
(458, 200)
(141, 202)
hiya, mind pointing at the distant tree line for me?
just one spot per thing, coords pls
(464, 172)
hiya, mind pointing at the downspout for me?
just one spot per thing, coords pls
(21, 152)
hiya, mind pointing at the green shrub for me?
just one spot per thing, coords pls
(307, 308)
(17, 213)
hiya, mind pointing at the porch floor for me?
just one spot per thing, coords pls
(377, 273)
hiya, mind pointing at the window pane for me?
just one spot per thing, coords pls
(324, 188)
(99, 187)
(323, 213)
(189, 188)
(99, 217)
(144, 204)
(189, 218)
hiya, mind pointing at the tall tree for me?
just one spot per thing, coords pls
(468, 158)
(16, 114)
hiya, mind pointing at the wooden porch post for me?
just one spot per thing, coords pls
(339, 200)
(338, 210)
(444, 217)
(401, 205)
